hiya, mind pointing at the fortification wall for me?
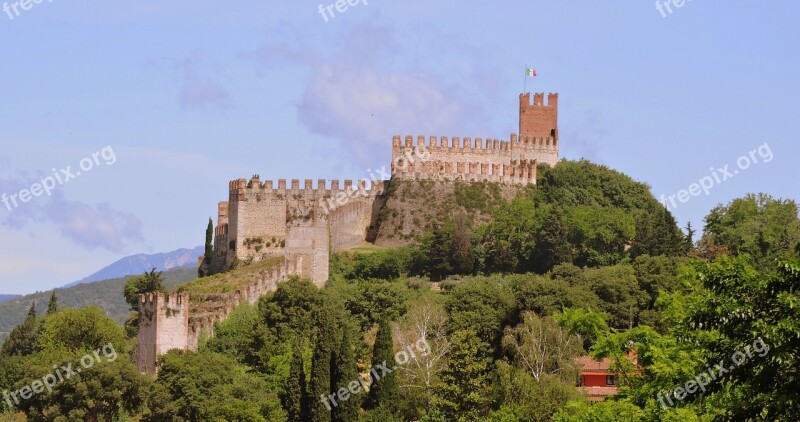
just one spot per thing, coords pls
(163, 326)
(354, 223)
(449, 159)
(176, 322)
(213, 308)
(259, 215)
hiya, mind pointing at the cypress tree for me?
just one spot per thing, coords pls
(383, 389)
(209, 238)
(344, 372)
(295, 401)
(22, 340)
(320, 385)
(52, 306)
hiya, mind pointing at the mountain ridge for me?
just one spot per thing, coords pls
(137, 264)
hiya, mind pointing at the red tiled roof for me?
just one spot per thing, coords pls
(588, 364)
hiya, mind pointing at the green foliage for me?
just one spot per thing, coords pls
(508, 241)
(344, 372)
(598, 234)
(464, 391)
(74, 330)
(209, 387)
(542, 349)
(233, 337)
(609, 410)
(320, 386)
(618, 290)
(446, 250)
(526, 399)
(586, 324)
(754, 317)
(388, 264)
(547, 295)
(149, 282)
(370, 302)
(758, 225)
(23, 339)
(209, 245)
(105, 383)
(483, 307)
(383, 388)
(553, 246)
(295, 399)
(52, 305)
(289, 312)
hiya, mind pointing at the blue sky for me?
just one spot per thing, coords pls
(189, 95)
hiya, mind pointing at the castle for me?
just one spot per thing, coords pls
(304, 223)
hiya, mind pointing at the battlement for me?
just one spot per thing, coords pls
(431, 144)
(240, 188)
(153, 300)
(538, 100)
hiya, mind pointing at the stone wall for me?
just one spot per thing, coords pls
(169, 322)
(163, 326)
(266, 219)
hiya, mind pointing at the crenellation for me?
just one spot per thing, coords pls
(301, 223)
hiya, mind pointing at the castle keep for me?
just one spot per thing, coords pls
(303, 223)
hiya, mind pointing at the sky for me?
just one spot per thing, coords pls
(139, 113)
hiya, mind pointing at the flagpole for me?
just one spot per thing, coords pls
(525, 84)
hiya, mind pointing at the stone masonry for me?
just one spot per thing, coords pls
(303, 223)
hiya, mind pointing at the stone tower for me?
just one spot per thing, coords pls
(538, 120)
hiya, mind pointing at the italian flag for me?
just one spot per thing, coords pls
(530, 72)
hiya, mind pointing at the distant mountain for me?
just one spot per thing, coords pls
(106, 295)
(5, 298)
(137, 264)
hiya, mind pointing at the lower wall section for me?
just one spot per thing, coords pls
(169, 322)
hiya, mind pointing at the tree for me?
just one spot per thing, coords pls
(76, 330)
(552, 244)
(483, 306)
(752, 318)
(461, 247)
(424, 326)
(209, 251)
(657, 233)
(23, 338)
(320, 386)
(542, 348)
(609, 410)
(52, 306)
(463, 392)
(295, 400)
(383, 388)
(289, 313)
(586, 324)
(149, 282)
(108, 389)
(758, 225)
(209, 387)
(343, 373)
